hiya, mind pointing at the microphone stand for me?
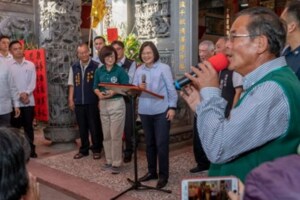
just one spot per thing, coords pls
(132, 92)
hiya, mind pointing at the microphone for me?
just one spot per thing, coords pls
(143, 78)
(218, 61)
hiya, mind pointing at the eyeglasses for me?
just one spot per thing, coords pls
(112, 56)
(231, 37)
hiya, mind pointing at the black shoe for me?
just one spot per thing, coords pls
(127, 158)
(199, 168)
(148, 177)
(162, 182)
(33, 155)
(80, 155)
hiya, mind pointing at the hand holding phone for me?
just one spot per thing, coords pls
(208, 187)
(105, 93)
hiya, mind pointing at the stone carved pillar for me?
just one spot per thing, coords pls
(59, 35)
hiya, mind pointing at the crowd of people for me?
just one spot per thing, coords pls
(245, 115)
(18, 81)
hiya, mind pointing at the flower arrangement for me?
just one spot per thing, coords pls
(132, 47)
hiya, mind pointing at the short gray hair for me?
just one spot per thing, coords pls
(265, 22)
(209, 43)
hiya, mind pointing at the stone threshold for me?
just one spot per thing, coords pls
(72, 186)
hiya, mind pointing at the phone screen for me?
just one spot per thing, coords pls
(208, 188)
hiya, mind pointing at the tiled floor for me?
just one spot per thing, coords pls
(60, 175)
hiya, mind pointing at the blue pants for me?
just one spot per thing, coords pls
(157, 129)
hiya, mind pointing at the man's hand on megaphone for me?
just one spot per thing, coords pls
(207, 76)
(191, 95)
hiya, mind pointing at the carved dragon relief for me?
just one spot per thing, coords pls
(152, 19)
(13, 26)
(26, 2)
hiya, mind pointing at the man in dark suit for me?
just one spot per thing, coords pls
(83, 100)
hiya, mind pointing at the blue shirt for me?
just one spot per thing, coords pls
(261, 117)
(160, 81)
(293, 59)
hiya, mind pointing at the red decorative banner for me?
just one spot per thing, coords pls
(22, 42)
(112, 34)
(85, 16)
(37, 56)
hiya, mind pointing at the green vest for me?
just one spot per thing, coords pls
(284, 145)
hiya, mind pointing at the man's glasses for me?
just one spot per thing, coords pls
(231, 37)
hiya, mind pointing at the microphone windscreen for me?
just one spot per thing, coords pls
(219, 61)
(143, 78)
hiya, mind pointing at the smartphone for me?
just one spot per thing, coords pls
(104, 93)
(208, 187)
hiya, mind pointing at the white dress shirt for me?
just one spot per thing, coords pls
(8, 90)
(25, 78)
(131, 70)
(5, 58)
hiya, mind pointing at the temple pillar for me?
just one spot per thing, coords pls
(59, 34)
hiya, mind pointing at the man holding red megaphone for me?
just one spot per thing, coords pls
(265, 123)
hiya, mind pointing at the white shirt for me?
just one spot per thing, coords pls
(131, 70)
(25, 78)
(71, 74)
(8, 90)
(5, 58)
(237, 80)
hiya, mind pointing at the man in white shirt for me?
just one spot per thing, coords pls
(24, 75)
(8, 94)
(4, 51)
(99, 43)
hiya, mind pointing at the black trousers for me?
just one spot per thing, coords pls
(25, 119)
(15, 122)
(157, 131)
(128, 129)
(200, 156)
(88, 120)
(5, 120)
